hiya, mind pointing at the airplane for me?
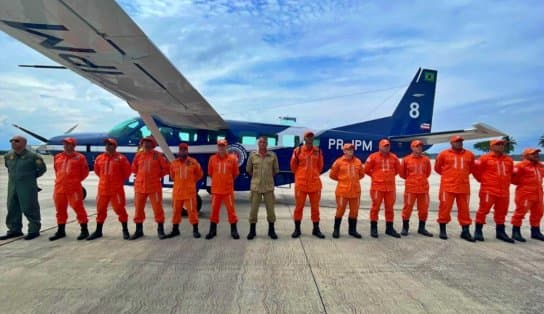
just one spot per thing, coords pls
(99, 41)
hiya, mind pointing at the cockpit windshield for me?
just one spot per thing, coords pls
(124, 127)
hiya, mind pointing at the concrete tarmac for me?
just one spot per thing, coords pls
(414, 274)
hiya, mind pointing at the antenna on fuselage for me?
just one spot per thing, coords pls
(288, 120)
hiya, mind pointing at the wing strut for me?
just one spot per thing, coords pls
(150, 123)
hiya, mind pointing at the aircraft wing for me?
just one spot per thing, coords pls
(99, 41)
(479, 131)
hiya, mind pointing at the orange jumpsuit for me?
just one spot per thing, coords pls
(416, 171)
(454, 168)
(307, 164)
(223, 171)
(185, 173)
(149, 168)
(112, 170)
(382, 169)
(70, 170)
(348, 173)
(494, 173)
(528, 178)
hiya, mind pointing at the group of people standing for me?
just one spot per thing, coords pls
(495, 171)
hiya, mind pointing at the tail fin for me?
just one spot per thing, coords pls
(414, 114)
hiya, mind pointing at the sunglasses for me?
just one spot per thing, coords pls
(14, 141)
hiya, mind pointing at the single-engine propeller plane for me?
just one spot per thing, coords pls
(99, 41)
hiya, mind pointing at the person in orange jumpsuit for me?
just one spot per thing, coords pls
(348, 170)
(149, 166)
(185, 171)
(528, 176)
(382, 167)
(415, 169)
(112, 169)
(494, 172)
(70, 169)
(455, 165)
(307, 164)
(223, 170)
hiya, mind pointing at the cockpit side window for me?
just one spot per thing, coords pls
(144, 131)
(124, 128)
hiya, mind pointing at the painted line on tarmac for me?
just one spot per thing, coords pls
(41, 231)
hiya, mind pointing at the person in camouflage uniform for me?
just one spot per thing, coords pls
(24, 167)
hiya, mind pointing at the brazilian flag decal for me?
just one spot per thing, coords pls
(429, 76)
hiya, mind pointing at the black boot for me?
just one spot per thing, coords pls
(213, 231)
(272, 231)
(405, 227)
(31, 236)
(11, 235)
(536, 234)
(61, 233)
(160, 231)
(97, 233)
(296, 233)
(443, 235)
(126, 234)
(84, 232)
(175, 231)
(336, 232)
(516, 234)
(252, 233)
(139, 232)
(478, 234)
(390, 230)
(234, 231)
(352, 223)
(374, 229)
(501, 234)
(421, 229)
(317, 232)
(196, 234)
(465, 234)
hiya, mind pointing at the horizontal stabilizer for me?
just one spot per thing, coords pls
(479, 131)
(37, 136)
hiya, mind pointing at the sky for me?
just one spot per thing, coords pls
(327, 63)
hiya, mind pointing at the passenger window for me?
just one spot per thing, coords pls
(213, 137)
(272, 141)
(289, 140)
(167, 133)
(183, 136)
(249, 140)
(187, 136)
